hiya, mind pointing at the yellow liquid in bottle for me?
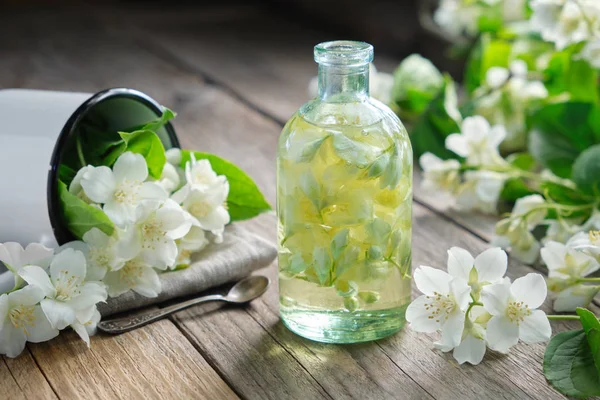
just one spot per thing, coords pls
(344, 207)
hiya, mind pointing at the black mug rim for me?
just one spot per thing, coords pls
(61, 233)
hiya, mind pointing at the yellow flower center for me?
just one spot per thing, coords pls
(517, 311)
(67, 286)
(153, 233)
(127, 192)
(594, 237)
(100, 257)
(21, 317)
(131, 273)
(440, 307)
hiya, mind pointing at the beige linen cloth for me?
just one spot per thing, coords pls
(240, 254)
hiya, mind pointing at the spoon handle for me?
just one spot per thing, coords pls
(127, 324)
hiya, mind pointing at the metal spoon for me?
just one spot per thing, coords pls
(242, 292)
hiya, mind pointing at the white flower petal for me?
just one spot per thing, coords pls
(526, 255)
(502, 334)
(535, 328)
(91, 293)
(575, 296)
(12, 341)
(41, 331)
(458, 144)
(11, 254)
(496, 77)
(452, 328)
(430, 280)
(99, 184)
(418, 316)
(495, 297)
(130, 166)
(215, 220)
(553, 254)
(82, 332)
(96, 238)
(173, 156)
(28, 296)
(470, 350)
(148, 283)
(68, 262)
(152, 191)
(530, 289)
(120, 213)
(491, 265)
(36, 276)
(461, 291)
(36, 254)
(58, 313)
(460, 262)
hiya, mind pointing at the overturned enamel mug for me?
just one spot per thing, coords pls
(38, 132)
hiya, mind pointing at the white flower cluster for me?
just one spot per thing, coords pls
(504, 98)
(461, 17)
(474, 305)
(474, 189)
(568, 22)
(60, 293)
(158, 225)
(568, 266)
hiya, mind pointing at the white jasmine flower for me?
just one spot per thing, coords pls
(565, 22)
(86, 326)
(575, 296)
(477, 142)
(155, 231)
(200, 175)
(480, 191)
(564, 262)
(136, 275)
(561, 230)
(439, 174)
(209, 208)
(416, 75)
(442, 306)
(14, 257)
(514, 312)
(174, 156)
(586, 242)
(170, 179)
(123, 188)
(193, 242)
(489, 267)
(22, 320)
(458, 17)
(472, 345)
(515, 232)
(591, 53)
(504, 99)
(75, 187)
(65, 289)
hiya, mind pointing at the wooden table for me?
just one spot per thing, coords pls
(234, 76)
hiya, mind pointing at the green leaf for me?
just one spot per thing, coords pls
(66, 174)
(576, 77)
(79, 216)
(487, 53)
(379, 166)
(563, 194)
(148, 144)
(322, 265)
(352, 151)
(591, 325)
(586, 170)
(393, 171)
(347, 261)
(524, 161)
(245, 199)
(514, 189)
(307, 153)
(560, 132)
(378, 231)
(339, 243)
(569, 365)
(296, 264)
(435, 124)
(158, 123)
(311, 189)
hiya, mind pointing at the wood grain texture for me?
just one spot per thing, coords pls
(24, 372)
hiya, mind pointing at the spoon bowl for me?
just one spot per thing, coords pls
(247, 289)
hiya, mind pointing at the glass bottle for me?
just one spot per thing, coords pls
(344, 206)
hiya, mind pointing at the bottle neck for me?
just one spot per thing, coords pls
(343, 83)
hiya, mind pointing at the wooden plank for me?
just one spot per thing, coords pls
(28, 379)
(153, 362)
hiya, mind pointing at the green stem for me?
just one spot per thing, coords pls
(563, 317)
(473, 304)
(80, 152)
(591, 280)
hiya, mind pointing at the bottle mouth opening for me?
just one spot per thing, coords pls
(343, 53)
